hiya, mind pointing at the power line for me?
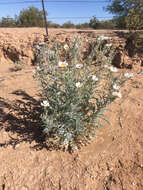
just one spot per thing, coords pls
(24, 2)
(76, 17)
(61, 1)
(52, 18)
(79, 1)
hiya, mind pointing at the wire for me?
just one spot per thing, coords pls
(24, 2)
(75, 17)
(52, 18)
(61, 1)
(72, 1)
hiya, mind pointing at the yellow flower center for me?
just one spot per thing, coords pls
(93, 62)
(62, 64)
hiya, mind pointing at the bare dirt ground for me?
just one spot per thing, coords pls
(112, 161)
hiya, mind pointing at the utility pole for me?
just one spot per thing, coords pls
(45, 21)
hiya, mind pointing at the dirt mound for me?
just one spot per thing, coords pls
(18, 44)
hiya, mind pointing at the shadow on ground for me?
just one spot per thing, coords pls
(22, 119)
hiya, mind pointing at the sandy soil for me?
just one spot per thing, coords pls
(112, 161)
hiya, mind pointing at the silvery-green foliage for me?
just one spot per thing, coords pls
(75, 92)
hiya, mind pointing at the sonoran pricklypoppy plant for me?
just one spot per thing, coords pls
(75, 93)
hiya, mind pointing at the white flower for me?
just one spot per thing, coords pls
(108, 45)
(116, 87)
(79, 66)
(78, 84)
(45, 103)
(38, 47)
(38, 68)
(76, 46)
(66, 47)
(58, 93)
(33, 71)
(103, 38)
(95, 78)
(113, 69)
(128, 75)
(106, 66)
(62, 64)
(117, 94)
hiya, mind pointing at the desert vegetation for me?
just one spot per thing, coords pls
(77, 87)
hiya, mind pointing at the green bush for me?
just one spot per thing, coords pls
(31, 17)
(68, 24)
(75, 92)
(83, 26)
(8, 22)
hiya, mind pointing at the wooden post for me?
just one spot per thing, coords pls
(45, 21)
